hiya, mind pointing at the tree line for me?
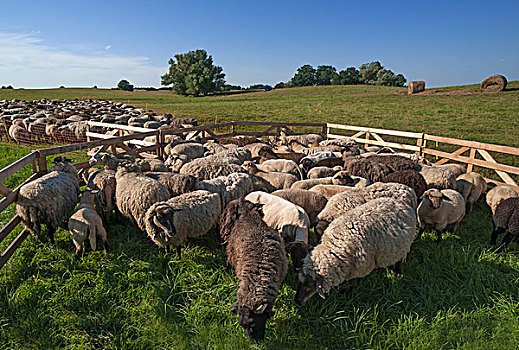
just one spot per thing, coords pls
(194, 73)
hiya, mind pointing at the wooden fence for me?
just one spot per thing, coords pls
(140, 142)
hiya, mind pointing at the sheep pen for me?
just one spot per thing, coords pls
(198, 290)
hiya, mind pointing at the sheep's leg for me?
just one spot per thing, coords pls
(468, 207)
(420, 232)
(106, 247)
(52, 230)
(179, 252)
(36, 229)
(397, 268)
(456, 227)
(496, 231)
(504, 243)
(79, 250)
(439, 235)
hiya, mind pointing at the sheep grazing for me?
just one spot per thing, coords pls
(505, 218)
(176, 184)
(471, 186)
(328, 191)
(363, 167)
(282, 166)
(394, 162)
(18, 133)
(135, 193)
(151, 165)
(345, 201)
(323, 171)
(86, 223)
(207, 169)
(440, 208)
(257, 254)
(312, 202)
(229, 187)
(438, 177)
(290, 220)
(499, 194)
(103, 181)
(172, 222)
(411, 178)
(374, 235)
(305, 139)
(191, 150)
(48, 199)
(340, 178)
(457, 169)
(277, 180)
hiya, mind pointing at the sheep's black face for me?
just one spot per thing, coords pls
(435, 198)
(254, 322)
(307, 164)
(298, 251)
(164, 220)
(305, 290)
(343, 178)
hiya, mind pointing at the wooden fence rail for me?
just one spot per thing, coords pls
(134, 141)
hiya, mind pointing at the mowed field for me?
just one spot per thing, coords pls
(456, 294)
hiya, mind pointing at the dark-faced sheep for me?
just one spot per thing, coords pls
(257, 254)
(505, 218)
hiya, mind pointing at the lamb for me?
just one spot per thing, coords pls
(18, 133)
(505, 218)
(48, 199)
(176, 184)
(256, 252)
(374, 235)
(282, 166)
(172, 222)
(290, 220)
(85, 222)
(206, 169)
(371, 170)
(323, 171)
(499, 194)
(277, 180)
(457, 169)
(411, 178)
(345, 201)
(440, 208)
(312, 202)
(471, 186)
(328, 191)
(233, 186)
(438, 177)
(135, 193)
(104, 182)
(341, 178)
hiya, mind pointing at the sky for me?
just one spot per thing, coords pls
(86, 43)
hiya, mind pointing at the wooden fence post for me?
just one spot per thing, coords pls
(472, 155)
(42, 163)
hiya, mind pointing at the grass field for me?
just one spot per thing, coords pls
(457, 294)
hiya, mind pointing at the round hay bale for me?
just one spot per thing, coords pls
(494, 83)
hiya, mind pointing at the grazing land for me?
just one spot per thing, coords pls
(456, 294)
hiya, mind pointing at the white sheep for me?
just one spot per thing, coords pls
(471, 186)
(230, 187)
(374, 235)
(438, 177)
(457, 169)
(277, 180)
(86, 223)
(440, 208)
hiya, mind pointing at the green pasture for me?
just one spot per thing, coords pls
(456, 294)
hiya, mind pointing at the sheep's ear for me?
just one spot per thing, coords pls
(445, 198)
(319, 288)
(261, 309)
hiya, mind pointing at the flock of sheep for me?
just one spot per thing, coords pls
(264, 197)
(65, 120)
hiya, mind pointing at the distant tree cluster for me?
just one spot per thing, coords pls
(6, 87)
(125, 85)
(372, 73)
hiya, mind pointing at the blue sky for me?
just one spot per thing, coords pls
(72, 43)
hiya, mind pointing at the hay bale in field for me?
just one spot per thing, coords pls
(415, 86)
(494, 83)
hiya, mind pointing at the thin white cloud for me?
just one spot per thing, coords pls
(26, 62)
(107, 47)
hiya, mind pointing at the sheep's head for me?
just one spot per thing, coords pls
(298, 251)
(267, 152)
(250, 167)
(342, 178)
(308, 286)
(433, 197)
(160, 221)
(306, 164)
(189, 183)
(253, 321)
(321, 226)
(87, 196)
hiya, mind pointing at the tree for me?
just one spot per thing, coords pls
(280, 85)
(348, 76)
(125, 85)
(305, 76)
(325, 74)
(368, 72)
(193, 73)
